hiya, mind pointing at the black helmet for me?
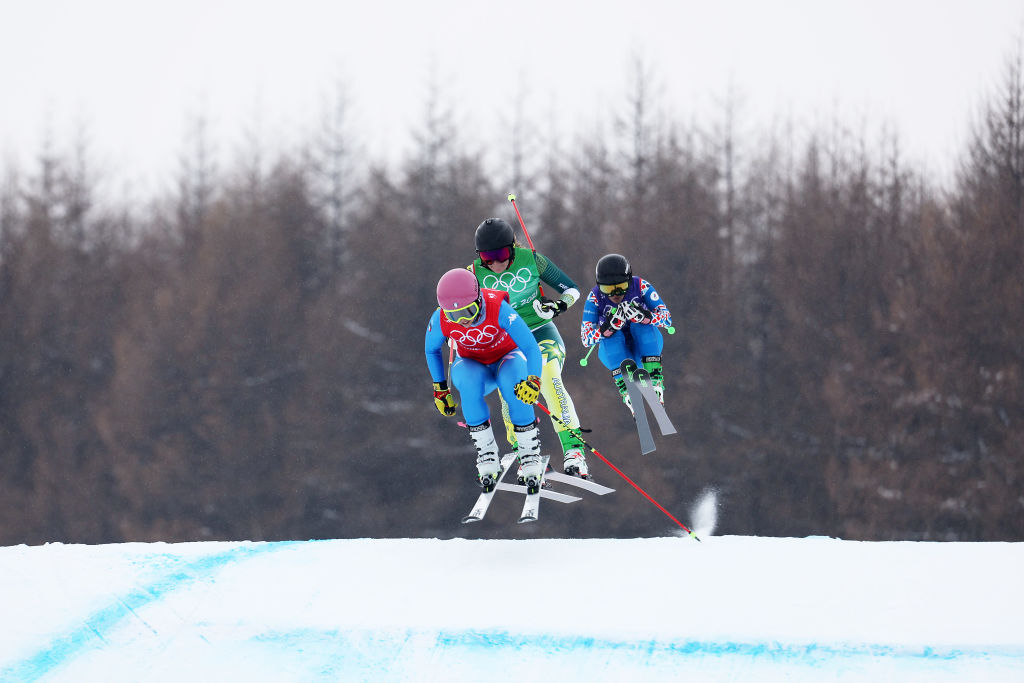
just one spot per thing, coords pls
(494, 233)
(613, 269)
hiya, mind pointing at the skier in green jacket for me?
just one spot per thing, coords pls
(503, 265)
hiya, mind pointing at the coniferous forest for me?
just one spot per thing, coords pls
(241, 357)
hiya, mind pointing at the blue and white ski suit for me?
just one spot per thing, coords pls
(634, 340)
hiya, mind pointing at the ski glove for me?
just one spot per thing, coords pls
(635, 313)
(528, 390)
(613, 324)
(548, 309)
(443, 399)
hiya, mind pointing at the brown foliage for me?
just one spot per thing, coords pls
(247, 364)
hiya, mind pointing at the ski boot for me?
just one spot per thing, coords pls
(528, 451)
(488, 464)
(652, 364)
(519, 473)
(624, 392)
(575, 465)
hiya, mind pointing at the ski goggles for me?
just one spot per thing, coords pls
(464, 314)
(615, 290)
(494, 255)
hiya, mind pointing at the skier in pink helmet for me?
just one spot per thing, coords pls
(494, 350)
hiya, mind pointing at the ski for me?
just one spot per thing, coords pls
(585, 484)
(483, 502)
(556, 496)
(531, 506)
(636, 399)
(642, 395)
(646, 386)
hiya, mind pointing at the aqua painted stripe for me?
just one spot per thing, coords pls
(386, 644)
(66, 646)
(461, 655)
(774, 650)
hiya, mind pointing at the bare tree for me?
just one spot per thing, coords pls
(333, 156)
(639, 126)
(197, 178)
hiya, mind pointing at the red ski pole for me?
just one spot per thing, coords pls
(512, 198)
(620, 473)
(522, 224)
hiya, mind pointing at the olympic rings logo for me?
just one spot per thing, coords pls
(508, 281)
(475, 337)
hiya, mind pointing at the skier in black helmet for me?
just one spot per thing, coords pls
(504, 265)
(622, 313)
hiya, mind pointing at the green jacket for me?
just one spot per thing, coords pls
(523, 280)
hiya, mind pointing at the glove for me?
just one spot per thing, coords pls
(528, 390)
(548, 309)
(612, 324)
(635, 313)
(443, 399)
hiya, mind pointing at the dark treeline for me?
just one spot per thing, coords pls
(243, 358)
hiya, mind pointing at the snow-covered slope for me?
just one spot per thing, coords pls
(659, 609)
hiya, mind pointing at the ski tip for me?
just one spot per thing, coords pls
(469, 519)
(527, 520)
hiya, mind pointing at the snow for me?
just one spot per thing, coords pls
(651, 609)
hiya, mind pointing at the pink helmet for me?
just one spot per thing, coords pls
(456, 289)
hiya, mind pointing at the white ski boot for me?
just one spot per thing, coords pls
(488, 464)
(528, 451)
(575, 465)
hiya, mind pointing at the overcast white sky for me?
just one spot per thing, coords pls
(133, 72)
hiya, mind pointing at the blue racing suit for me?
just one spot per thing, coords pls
(634, 340)
(474, 378)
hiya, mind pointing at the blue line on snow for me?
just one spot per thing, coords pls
(68, 645)
(774, 650)
(369, 650)
(337, 651)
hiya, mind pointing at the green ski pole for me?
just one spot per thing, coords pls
(584, 360)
